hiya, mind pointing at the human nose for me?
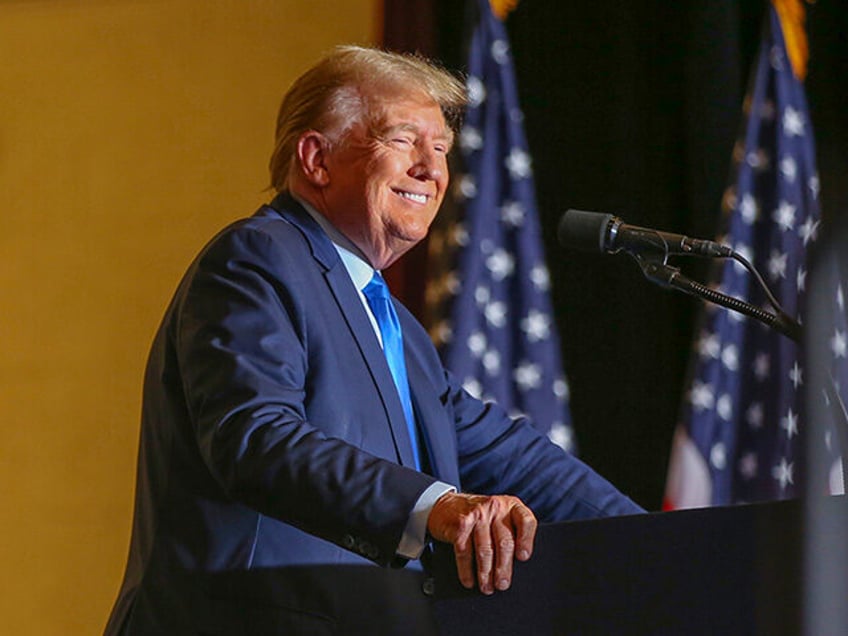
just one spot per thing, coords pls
(429, 164)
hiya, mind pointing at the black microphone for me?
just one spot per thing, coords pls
(593, 231)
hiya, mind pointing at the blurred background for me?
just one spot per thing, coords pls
(131, 131)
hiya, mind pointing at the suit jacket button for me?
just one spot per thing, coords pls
(429, 586)
(348, 541)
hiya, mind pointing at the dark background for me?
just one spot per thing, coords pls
(632, 107)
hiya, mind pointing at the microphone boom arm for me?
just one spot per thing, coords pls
(665, 275)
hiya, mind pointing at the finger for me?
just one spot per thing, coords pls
(462, 550)
(504, 552)
(525, 531)
(483, 552)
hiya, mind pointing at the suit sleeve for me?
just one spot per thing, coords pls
(499, 454)
(240, 339)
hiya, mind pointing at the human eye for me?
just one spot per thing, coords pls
(402, 140)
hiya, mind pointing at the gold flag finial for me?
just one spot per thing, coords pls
(501, 8)
(792, 15)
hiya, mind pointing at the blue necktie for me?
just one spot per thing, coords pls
(379, 299)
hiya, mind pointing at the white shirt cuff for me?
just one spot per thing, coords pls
(415, 534)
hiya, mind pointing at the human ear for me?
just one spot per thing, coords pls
(312, 155)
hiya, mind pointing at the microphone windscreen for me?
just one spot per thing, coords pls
(585, 231)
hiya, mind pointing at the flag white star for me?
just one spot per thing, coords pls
(730, 357)
(476, 91)
(540, 277)
(784, 215)
(718, 456)
(500, 51)
(501, 264)
(536, 325)
(777, 265)
(709, 345)
(473, 386)
(754, 415)
(560, 388)
(759, 160)
(813, 185)
(767, 110)
(748, 466)
(809, 230)
(492, 362)
(801, 279)
(482, 295)
(512, 213)
(789, 423)
(789, 168)
(795, 375)
(466, 187)
(518, 164)
(762, 366)
(442, 332)
(452, 283)
(724, 407)
(702, 396)
(749, 209)
(495, 313)
(561, 435)
(459, 235)
(793, 122)
(470, 139)
(477, 343)
(783, 473)
(527, 376)
(839, 344)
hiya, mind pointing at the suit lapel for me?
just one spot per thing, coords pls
(437, 430)
(350, 307)
(362, 331)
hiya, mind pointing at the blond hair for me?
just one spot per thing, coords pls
(347, 87)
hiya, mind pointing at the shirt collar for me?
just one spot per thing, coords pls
(357, 266)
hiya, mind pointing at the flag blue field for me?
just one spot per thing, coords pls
(489, 307)
(743, 420)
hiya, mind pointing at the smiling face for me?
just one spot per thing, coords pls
(383, 183)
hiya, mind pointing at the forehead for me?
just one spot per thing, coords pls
(421, 114)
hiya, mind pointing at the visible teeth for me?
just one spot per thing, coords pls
(418, 198)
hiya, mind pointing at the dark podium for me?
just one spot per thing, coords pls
(715, 571)
(734, 570)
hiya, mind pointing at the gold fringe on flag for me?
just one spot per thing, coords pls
(501, 8)
(792, 17)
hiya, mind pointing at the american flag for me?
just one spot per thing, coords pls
(489, 309)
(743, 420)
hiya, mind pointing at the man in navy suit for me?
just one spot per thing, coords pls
(276, 434)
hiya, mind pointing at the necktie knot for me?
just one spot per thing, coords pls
(376, 288)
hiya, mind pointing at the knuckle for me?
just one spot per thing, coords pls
(507, 543)
(485, 550)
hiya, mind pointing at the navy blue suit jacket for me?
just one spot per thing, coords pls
(272, 435)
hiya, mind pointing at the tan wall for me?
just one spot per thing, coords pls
(129, 132)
